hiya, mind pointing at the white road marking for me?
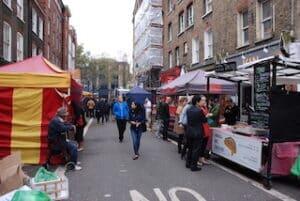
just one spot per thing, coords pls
(159, 194)
(123, 171)
(137, 196)
(86, 128)
(254, 183)
(173, 191)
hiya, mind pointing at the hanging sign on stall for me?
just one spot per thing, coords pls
(242, 150)
(225, 67)
(262, 82)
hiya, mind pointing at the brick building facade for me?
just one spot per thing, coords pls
(201, 33)
(44, 29)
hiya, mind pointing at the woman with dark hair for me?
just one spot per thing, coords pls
(137, 121)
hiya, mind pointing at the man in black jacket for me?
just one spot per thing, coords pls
(195, 131)
(165, 117)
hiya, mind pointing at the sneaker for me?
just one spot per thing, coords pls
(135, 157)
(77, 168)
(80, 149)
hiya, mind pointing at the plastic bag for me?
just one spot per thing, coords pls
(30, 196)
(296, 168)
(44, 175)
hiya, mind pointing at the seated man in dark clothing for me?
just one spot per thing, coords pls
(57, 131)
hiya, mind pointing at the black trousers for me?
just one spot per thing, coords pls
(203, 147)
(165, 129)
(194, 149)
(179, 142)
(91, 113)
(121, 123)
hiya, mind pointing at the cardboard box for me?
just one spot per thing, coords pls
(11, 174)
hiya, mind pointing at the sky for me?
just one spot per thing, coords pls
(103, 26)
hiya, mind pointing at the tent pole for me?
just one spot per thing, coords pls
(207, 86)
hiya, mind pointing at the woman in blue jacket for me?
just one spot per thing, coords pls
(137, 121)
(120, 111)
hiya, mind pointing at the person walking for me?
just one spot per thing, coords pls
(137, 122)
(91, 107)
(80, 123)
(106, 110)
(207, 134)
(97, 110)
(179, 129)
(183, 122)
(195, 132)
(120, 112)
(148, 108)
(165, 117)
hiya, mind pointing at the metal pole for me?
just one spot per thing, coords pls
(208, 83)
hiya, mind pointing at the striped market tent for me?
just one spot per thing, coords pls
(29, 98)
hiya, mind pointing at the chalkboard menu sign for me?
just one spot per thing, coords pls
(262, 80)
(225, 67)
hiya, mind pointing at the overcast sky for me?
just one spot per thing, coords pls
(103, 26)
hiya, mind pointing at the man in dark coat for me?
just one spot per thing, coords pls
(165, 117)
(57, 131)
(195, 131)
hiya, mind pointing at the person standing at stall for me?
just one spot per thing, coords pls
(121, 111)
(195, 131)
(214, 109)
(137, 122)
(231, 112)
(165, 117)
(179, 129)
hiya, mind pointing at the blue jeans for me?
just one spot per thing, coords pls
(72, 150)
(136, 135)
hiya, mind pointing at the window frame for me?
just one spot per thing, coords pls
(190, 15)
(185, 48)
(208, 44)
(195, 50)
(34, 47)
(20, 9)
(7, 44)
(242, 29)
(181, 22)
(34, 21)
(170, 59)
(170, 6)
(177, 56)
(264, 20)
(170, 32)
(7, 3)
(41, 28)
(20, 46)
(207, 7)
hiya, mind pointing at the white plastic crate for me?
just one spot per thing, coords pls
(57, 190)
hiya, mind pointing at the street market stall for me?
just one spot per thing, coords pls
(195, 82)
(270, 142)
(30, 93)
(138, 94)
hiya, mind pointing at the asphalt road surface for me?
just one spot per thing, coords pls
(110, 174)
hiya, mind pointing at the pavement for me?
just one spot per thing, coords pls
(110, 174)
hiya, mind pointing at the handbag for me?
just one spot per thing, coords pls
(143, 127)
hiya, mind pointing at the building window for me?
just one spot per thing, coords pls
(34, 50)
(41, 28)
(34, 21)
(170, 32)
(20, 47)
(8, 3)
(185, 48)
(170, 5)
(208, 44)
(49, 3)
(195, 50)
(207, 6)
(190, 15)
(181, 22)
(49, 26)
(7, 42)
(177, 56)
(265, 19)
(20, 9)
(243, 29)
(170, 56)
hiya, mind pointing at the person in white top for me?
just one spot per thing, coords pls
(148, 108)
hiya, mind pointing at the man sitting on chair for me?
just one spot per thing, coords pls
(57, 132)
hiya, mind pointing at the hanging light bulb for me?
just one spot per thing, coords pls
(243, 57)
(265, 50)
